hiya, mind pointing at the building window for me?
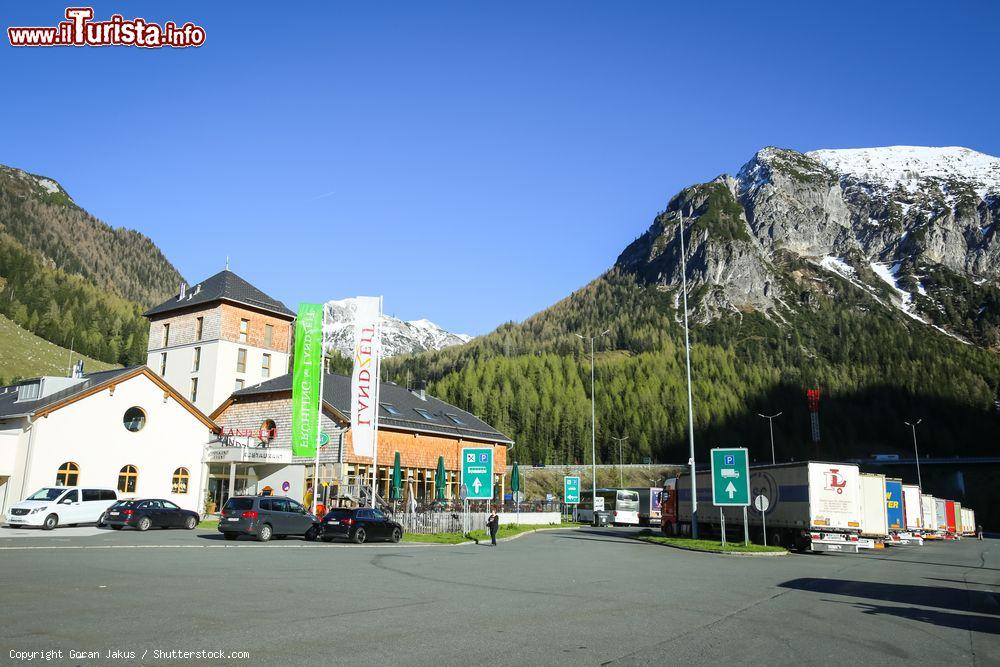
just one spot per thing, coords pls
(134, 419)
(268, 335)
(68, 475)
(166, 335)
(241, 360)
(239, 384)
(128, 477)
(196, 362)
(390, 408)
(423, 413)
(265, 366)
(244, 330)
(179, 482)
(199, 328)
(163, 364)
(454, 419)
(28, 392)
(194, 389)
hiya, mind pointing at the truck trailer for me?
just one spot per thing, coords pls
(812, 505)
(874, 519)
(928, 505)
(649, 505)
(941, 516)
(904, 522)
(951, 522)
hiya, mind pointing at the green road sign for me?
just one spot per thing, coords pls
(730, 477)
(571, 490)
(477, 472)
(324, 439)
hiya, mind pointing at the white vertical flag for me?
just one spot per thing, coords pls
(364, 379)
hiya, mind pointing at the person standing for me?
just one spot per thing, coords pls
(493, 524)
(979, 532)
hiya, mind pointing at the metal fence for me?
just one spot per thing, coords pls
(440, 522)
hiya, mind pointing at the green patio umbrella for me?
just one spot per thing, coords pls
(440, 479)
(396, 489)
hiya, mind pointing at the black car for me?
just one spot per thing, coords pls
(264, 517)
(359, 525)
(147, 513)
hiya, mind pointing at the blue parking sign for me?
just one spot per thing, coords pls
(730, 459)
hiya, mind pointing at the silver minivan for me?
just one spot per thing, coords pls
(53, 506)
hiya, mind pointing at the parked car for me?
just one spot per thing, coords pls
(149, 513)
(359, 525)
(53, 506)
(264, 517)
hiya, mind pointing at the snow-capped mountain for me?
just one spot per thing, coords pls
(398, 336)
(915, 227)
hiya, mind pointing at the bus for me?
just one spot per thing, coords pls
(622, 504)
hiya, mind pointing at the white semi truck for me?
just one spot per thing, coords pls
(874, 516)
(811, 506)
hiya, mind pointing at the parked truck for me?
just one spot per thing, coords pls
(649, 505)
(941, 516)
(968, 522)
(811, 505)
(912, 532)
(928, 505)
(951, 522)
(874, 518)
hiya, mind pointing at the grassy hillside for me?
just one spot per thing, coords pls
(23, 354)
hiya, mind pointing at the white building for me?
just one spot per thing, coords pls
(123, 429)
(217, 337)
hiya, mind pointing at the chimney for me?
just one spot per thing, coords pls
(420, 390)
(78, 370)
(183, 291)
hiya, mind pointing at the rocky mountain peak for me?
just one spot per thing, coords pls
(398, 336)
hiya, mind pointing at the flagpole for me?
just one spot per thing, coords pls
(319, 421)
(378, 390)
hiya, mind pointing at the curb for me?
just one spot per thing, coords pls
(738, 554)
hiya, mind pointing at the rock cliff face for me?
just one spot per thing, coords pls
(398, 336)
(914, 226)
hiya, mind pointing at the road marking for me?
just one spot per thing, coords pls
(232, 546)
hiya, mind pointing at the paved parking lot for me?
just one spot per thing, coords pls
(587, 596)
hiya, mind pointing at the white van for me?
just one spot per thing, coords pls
(53, 506)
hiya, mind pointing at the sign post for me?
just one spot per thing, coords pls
(477, 472)
(761, 503)
(731, 483)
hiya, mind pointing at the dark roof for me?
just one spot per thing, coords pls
(8, 396)
(223, 286)
(337, 392)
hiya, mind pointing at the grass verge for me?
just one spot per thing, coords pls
(481, 535)
(211, 524)
(706, 545)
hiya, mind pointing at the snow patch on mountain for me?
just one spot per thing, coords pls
(889, 274)
(398, 336)
(906, 166)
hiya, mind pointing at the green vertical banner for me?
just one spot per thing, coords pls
(306, 378)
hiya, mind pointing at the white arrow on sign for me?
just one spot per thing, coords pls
(730, 489)
(476, 485)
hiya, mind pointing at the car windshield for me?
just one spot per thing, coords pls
(47, 494)
(238, 505)
(124, 503)
(339, 514)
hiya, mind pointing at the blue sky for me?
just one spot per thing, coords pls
(473, 162)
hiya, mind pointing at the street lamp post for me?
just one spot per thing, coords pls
(916, 456)
(593, 421)
(621, 474)
(770, 423)
(687, 349)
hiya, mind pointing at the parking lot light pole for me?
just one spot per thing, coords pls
(593, 422)
(770, 422)
(621, 473)
(687, 349)
(916, 456)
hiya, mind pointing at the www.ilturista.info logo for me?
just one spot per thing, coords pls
(81, 30)
(834, 480)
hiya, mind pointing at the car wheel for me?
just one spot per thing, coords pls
(51, 521)
(190, 523)
(116, 527)
(311, 534)
(360, 536)
(397, 535)
(230, 536)
(144, 524)
(264, 534)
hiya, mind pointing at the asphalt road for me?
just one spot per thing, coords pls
(573, 597)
